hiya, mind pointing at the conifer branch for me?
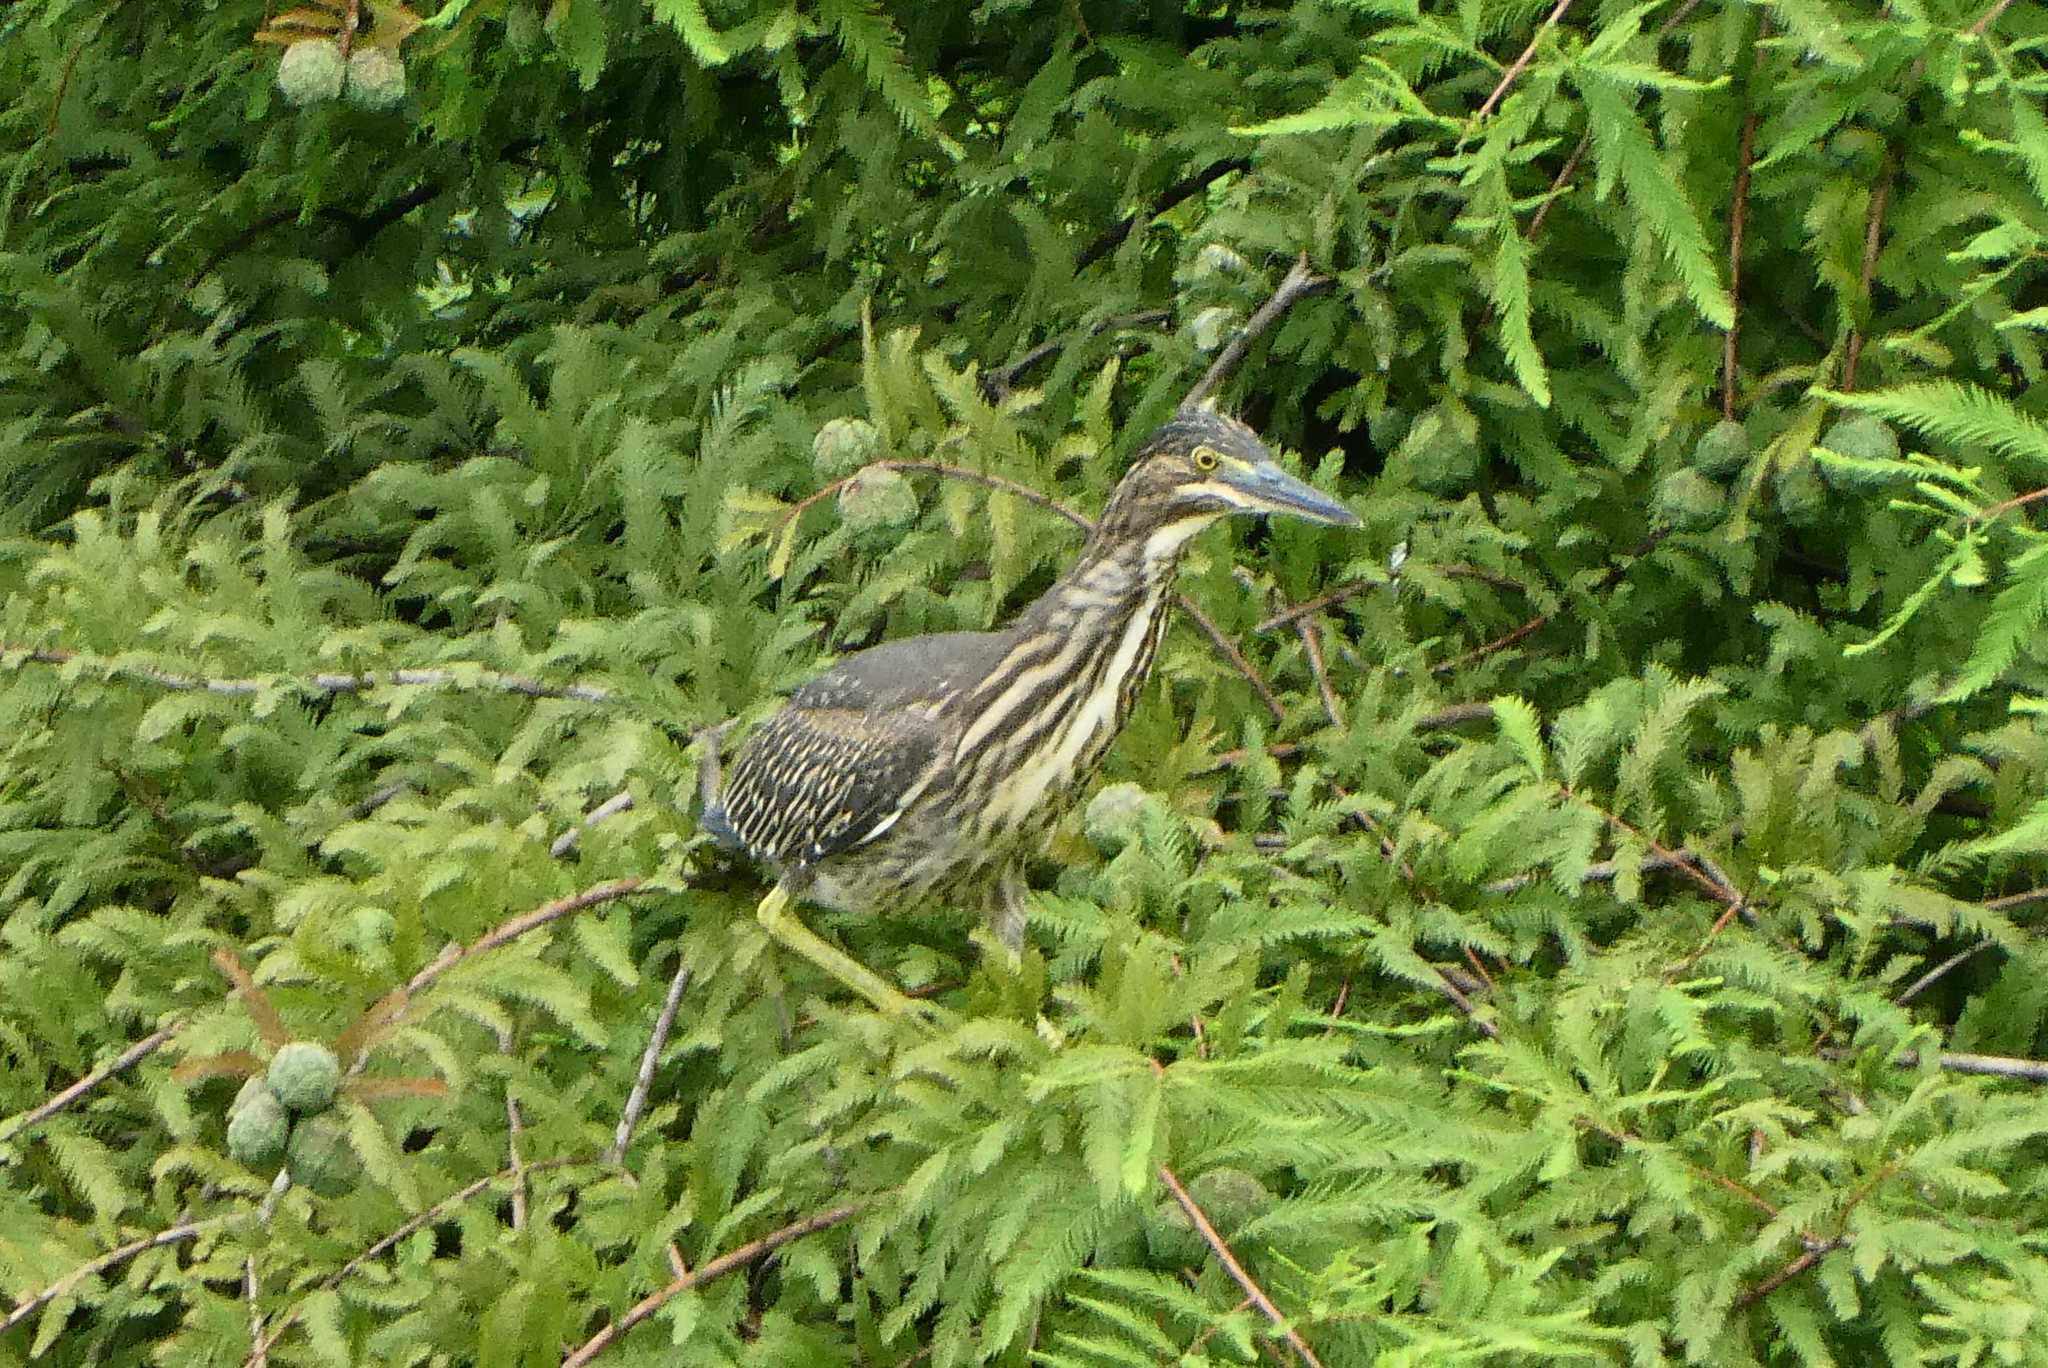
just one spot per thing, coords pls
(1522, 62)
(2012, 900)
(1612, 576)
(1298, 284)
(1244, 1280)
(710, 1272)
(127, 1059)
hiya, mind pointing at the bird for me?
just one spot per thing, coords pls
(925, 771)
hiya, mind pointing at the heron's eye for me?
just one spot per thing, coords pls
(1205, 458)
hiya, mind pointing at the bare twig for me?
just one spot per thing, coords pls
(1236, 1270)
(717, 1268)
(1522, 62)
(951, 472)
(412, 1223)
(1445, 718)
(252, 1293)
(1112, 237)
(1790, 1271)
(127, 1059)
(2012, 900)
(1738, 212)
(1988, 18)
(1996, 1066)
(998, 382)
(515, 1128)
(1612, 576)
(643, 1081)
(518, 926)
(1873, 239)
(191, 1230)
(619, 802)
(323, 683)
(1313, 645)
(1934, 975)
(1298, 284)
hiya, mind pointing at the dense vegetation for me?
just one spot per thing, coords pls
(1590, 914)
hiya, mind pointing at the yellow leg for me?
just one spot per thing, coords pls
(776, 918)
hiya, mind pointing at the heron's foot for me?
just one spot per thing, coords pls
(776, 918)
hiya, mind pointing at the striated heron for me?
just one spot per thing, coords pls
(926, 770)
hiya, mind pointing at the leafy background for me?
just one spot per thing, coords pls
(1609, 938)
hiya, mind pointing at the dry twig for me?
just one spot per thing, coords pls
(643, 1081)
(717, 1268)
(1236, 1270)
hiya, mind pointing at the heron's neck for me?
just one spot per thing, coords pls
(1121, 570)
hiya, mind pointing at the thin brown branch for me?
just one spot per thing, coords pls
(323, 683)
(717, 1268)
(405, 1228)
(518, 926)
(1626, 1139)
(515, 1128)
(1229, 651)
(1558, 183)
(1738, 213)
(1522, 62)
(2012, 900)
(191, 1230)
(999, 382)
(1612, 576)
(1995, 1066)
(1312, 644)
(1112, 237)
(1443, 719)
(1790, 1271)
(255, 1001)
(619, 802)
(252, 1292)
(1298, 284)
(1935, 975)
(950, 472)
(127, 1059)
(1873, 240)
(643, 1081)
(1988, 18)
(1236, 1270)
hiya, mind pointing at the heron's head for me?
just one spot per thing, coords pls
(1200, 466)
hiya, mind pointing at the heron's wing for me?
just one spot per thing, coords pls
(814, 781)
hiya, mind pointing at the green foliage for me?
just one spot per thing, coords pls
(1579, 959)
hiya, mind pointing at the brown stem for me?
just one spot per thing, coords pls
(1873, 239)
(1298, 284)
(1738, 212)
(1522, 62)
(1934, 975)
(191, 1230)
(1988, 17)
(717, 1268)
(1186, 188)
(127, 1059)
(1236, 1270)
(1789, 1272)
(518, 926)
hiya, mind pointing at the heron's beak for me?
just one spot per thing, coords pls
(1269, 489)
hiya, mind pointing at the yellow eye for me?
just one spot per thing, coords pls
(1205, 458)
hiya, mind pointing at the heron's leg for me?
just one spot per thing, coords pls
(777, 919)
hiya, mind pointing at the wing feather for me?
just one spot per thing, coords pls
(815, 781)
